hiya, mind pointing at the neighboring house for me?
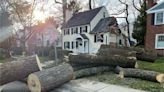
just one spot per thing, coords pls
(155, 27)
(44, 35)
(85, 32)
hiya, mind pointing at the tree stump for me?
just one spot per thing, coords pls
(48, 79)
(17, 70)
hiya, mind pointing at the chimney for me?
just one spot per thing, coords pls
(151, 3)
(67, 11)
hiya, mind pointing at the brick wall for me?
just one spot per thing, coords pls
(152, 30)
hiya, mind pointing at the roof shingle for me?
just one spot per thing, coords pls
(103, 25)
(82, 18)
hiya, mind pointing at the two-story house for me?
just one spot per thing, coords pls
(85, 32)
(44, 35)
(155, 27)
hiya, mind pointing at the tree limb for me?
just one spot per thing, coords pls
(58, 2)
(135, 5)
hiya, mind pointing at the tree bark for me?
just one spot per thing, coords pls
(48, 79)
(146, 57)
(107, 51)
(17, 70)
(139, 73)
(103, 60)
(92, 71)
(77, 67)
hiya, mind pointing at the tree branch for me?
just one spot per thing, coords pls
(58, 2)
(135, 5)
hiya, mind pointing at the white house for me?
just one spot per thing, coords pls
(86, 31)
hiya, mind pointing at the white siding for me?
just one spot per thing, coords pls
(98, 17)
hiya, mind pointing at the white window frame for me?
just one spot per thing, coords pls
(156, 41)
(156, 18)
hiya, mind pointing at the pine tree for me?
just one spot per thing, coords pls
(139, 30)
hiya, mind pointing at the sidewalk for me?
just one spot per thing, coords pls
(84, 85)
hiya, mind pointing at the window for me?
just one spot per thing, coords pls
(76, 30)
(99, 38)
(66, 45)
(159, 41)
(159, 18)
(67, 32)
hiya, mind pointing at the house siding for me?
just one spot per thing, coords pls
(152, 30)
(98, 17)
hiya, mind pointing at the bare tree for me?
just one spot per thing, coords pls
(126, 11)
(22, 12)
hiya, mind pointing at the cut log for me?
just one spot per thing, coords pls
(77, 67)
(17, 70)
(116, 51)
(103, 60)
(92, 71)
(48, 79)
(15, 86)
(139, 73)
(149, 57)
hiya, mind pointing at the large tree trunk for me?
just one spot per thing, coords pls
(48, 79)
(77, 67)
(105, 50)
(149, 57)
(18, 70)
(139, 73)
(103, 60)
(92, 71)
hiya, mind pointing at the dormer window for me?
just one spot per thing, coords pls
(159, 18)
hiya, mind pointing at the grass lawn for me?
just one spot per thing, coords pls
(157, 66)
(111, 78)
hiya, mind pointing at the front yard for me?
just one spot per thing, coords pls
(111, 78)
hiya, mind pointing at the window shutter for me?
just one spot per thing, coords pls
(152, 19)
(94, 38)
(72, 45)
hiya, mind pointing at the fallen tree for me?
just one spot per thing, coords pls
(77, 67)
(139, 73)
(48, 79)
(17, 70)
(116, 51)
(145, 56)
(92, 71)
(103, 60)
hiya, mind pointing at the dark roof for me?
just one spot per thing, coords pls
(159, 6)
(84, 36)
(104, 24)
(82, 18)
